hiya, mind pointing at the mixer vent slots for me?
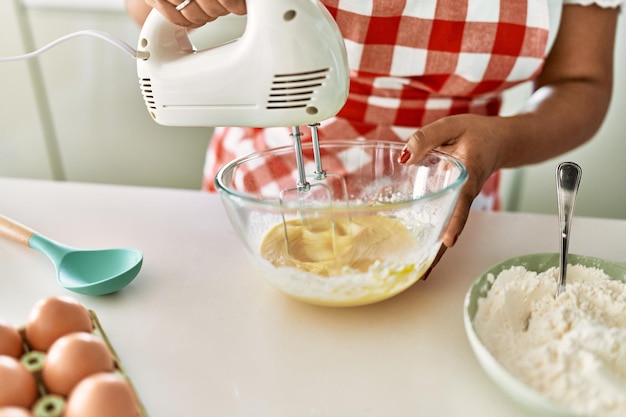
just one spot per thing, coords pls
(295, 90)
(146, 91)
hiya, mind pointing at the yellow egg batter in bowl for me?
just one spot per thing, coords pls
(362, 233)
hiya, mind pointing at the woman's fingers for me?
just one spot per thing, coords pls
(195, 13)
(235, 6)
(471, 139)
(168, 10)
(459, 218)
(442, 250)
(434, 135)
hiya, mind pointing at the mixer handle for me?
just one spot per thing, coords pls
(157, 30)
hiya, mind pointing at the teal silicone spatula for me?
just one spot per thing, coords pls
(91, 272)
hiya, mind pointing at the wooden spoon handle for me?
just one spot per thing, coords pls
(15, 231)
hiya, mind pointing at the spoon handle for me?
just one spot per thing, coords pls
(15, 231)
(567, 180)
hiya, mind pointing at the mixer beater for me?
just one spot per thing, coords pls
(305, 196)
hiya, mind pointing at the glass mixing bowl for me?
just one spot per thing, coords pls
(364, 233)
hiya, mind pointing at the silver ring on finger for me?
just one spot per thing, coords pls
(183, 5)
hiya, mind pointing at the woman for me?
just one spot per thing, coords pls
(433, 71)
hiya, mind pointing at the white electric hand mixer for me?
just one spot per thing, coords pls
(289, 68)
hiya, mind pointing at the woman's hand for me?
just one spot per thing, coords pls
(191, 14)
(475, 141)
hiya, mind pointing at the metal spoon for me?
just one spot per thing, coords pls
(567, 182)
(91, 272)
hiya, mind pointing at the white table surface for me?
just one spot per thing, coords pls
(201, 334)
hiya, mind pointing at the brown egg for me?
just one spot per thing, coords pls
(17, 385)
(72, 358)
(10, 341)
(53, 317)
(103, 395)
(15, 412)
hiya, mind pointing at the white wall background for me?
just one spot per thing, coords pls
(98, 118)
(104, 134)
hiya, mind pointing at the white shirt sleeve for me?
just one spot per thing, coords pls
(601, 3)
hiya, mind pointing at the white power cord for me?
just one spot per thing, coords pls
(96, 33)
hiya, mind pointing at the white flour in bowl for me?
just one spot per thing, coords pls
(571, 348)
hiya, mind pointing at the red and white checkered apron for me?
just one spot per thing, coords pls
(413, 62)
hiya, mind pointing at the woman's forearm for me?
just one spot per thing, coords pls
(557, 119)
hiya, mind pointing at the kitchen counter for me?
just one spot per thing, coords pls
(201, 334)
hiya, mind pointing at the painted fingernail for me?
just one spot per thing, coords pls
(404, 156)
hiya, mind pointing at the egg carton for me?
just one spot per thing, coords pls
(52, 405)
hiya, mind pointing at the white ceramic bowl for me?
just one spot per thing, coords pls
(535, 402)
